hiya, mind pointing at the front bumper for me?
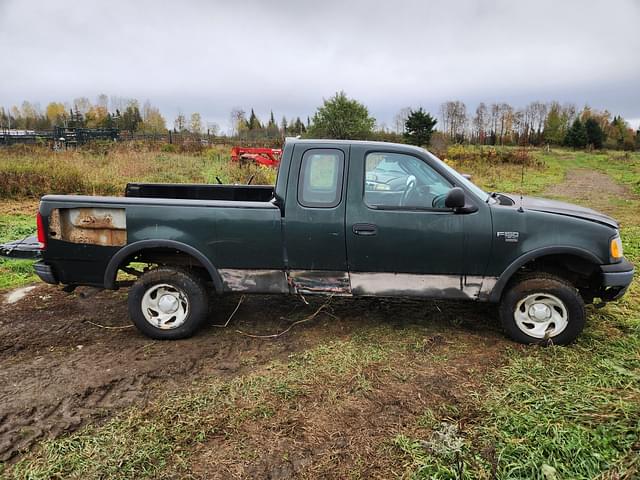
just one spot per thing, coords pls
(616, 279)
(45, 272)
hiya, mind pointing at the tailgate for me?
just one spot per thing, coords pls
(25, 248)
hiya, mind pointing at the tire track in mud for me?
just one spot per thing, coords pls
(58, 372)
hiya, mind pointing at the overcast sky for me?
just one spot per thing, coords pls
(287, 55)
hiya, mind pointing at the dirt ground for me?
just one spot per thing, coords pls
(589, 188)
(68, 360)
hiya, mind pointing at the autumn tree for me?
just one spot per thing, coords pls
(553, 131)
(152, 119)
(342, 118)
(419, 127)
(56, 113)
(195, 125)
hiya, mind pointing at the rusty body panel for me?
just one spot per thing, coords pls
(254, 281)
(311, 282)
(321, 282)
(94, 226)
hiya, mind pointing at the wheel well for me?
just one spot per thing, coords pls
(580, 272)
(165, 256)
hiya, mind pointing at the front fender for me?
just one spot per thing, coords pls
(507, 274)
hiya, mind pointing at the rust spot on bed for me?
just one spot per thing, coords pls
(92, 226)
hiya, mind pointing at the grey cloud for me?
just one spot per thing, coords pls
(287, 55)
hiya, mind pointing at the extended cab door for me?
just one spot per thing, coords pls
(401, 240)
(314, 230)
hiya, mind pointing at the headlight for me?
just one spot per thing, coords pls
(381, 186)
(615, 248)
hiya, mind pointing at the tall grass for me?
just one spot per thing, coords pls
(38, 171)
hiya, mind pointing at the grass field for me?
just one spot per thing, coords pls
(524, 413)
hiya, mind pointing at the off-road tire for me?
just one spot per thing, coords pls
(188, 283)
(543, 283)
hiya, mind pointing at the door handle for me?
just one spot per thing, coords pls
(365, 229)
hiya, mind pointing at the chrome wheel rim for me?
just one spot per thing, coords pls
(541, 315)
(165, 306)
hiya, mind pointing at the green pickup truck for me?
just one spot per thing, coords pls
(348, 218)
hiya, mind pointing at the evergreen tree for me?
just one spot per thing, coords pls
(576, 136)
(254, 123)
(272, 120)
(419, 127)
(595, 135)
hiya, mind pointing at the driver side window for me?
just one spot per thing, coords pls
(399, 181)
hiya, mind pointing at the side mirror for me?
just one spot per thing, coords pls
(454, 198)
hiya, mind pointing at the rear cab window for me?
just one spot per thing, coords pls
(320, 181)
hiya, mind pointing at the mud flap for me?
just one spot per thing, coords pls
(27, 248)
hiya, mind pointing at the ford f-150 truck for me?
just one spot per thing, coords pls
(348, 218)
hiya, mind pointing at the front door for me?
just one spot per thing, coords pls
(401, 240)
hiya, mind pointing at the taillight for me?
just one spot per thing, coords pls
(42, 237)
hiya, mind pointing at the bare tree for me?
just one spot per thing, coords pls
(454, 119)
(480, 123)
(400, 119)
(180, 123)
(238, 119)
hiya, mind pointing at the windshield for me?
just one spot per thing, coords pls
(460, 180)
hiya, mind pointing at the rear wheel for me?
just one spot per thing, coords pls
(542, 309)
(168, 303)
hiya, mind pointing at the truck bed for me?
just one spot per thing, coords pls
(240, 193)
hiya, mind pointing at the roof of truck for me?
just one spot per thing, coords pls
(350, 142)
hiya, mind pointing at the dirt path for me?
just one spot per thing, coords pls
(590, 188)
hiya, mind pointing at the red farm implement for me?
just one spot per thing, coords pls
(262, 156)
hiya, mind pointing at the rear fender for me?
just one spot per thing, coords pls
(111, 271)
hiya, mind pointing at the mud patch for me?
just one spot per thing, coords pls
(62, 369)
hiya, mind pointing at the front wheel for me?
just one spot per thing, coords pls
(168, 303)
(542, 309)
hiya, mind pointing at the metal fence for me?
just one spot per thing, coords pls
(72, 137)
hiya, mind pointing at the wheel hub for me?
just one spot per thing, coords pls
(539, 311)
(541, 315)
(168, 304)
(165, 306)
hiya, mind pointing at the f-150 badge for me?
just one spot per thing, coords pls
(511, 237)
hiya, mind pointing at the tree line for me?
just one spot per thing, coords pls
(115, 112)
(339, 116)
